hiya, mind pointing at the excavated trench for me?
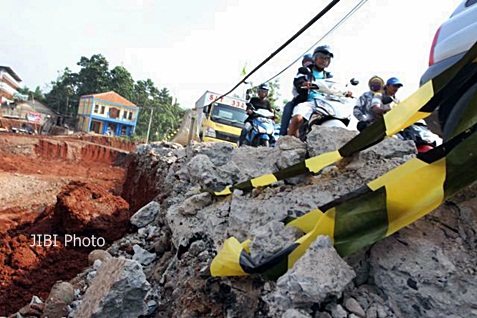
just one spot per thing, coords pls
(60, 198)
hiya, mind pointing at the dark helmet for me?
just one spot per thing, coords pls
(323, 49)
(307, 58)
(263, 86)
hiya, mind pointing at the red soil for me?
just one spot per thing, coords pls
(33, 172)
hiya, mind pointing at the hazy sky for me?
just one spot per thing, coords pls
(191, 46)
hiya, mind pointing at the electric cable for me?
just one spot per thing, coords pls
(303, 29)
(349, 14)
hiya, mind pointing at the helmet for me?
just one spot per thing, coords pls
(307, 59)
(263, 86)
(323, 49)
(375, 83)
(394, 81)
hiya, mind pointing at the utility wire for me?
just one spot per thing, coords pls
(349, 14)
(303, 29)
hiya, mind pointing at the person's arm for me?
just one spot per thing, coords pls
(378, 109)
(358, 109)
(298, 83)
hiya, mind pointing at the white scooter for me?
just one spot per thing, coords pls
(333, 105)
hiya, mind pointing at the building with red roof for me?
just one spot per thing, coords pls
(107, 113)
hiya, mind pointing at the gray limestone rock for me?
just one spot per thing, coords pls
(142, 256)
(146, 214)
(317, 275)
(118, 290)
(272, 238)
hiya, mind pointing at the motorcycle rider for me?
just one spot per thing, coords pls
(322, 56)
(382, 103)
(307, 61)
(255, 103)
(362, 108)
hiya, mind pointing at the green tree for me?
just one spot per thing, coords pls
(37, 94)
(63, 97)
(166, 114)
(122, 82)
(94, 76)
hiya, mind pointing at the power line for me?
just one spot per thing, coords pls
(303, 29)
(349, 14)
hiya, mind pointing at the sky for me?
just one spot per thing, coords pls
(190, 46)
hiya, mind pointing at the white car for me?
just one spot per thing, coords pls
(453, 38)
(451, 41)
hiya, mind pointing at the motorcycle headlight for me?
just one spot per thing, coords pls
(209, 132)
(323, 106)
(262, 130)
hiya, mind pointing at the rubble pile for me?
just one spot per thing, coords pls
(159, 269)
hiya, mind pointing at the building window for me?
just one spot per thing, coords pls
(96, 108)
(102, 109)
(130, 115)
(125, 114)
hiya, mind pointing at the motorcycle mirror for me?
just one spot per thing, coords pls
(354, 81)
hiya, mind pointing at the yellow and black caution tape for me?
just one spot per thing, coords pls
(418, 106)
(392, 201)
(372, 212)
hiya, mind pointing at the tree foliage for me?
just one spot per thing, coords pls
(95, 77)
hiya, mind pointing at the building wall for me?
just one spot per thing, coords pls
(8, 85)
(97, 115)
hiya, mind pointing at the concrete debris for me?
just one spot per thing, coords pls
(142, 256)
(101, 255)
(146, 214)
(118, 290)
(319, 274)
(428, 269)
(272, 238)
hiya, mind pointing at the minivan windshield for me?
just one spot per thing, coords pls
(225, 114)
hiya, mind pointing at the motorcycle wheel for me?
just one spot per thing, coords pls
(264, 142)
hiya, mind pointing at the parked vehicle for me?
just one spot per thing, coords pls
(451, 41)
(263, 129)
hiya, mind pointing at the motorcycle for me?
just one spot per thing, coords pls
(333, 106)
(262, 130)
(422, 136)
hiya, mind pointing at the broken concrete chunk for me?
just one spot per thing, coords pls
(118, 290)
(146, 214)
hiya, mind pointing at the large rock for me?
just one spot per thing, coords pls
(118, 290)
(429, 268)
(317, 275)
(146, 214)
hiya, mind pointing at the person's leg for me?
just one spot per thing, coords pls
(295, 125)
(286, 116)
(244, 132)
(300, 112)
